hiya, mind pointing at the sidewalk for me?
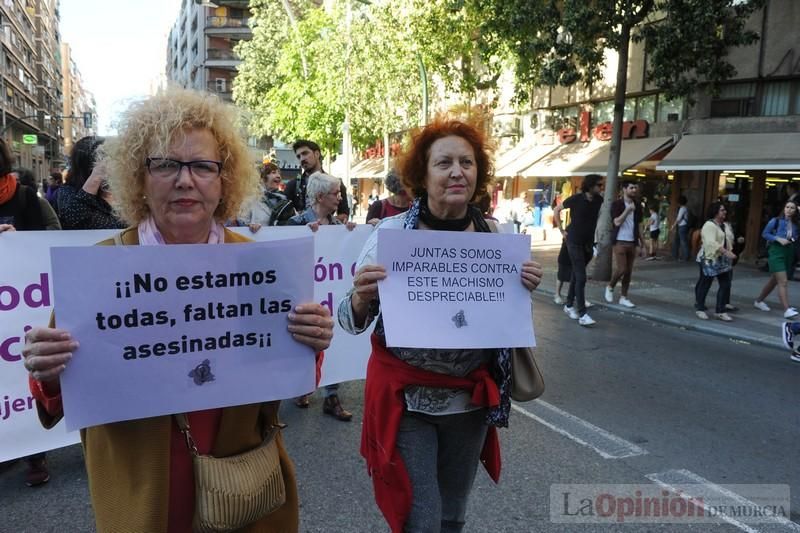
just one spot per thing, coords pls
(663, 291)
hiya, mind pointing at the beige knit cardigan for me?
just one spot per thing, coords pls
(128, 462)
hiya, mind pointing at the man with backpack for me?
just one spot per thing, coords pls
(310, 157)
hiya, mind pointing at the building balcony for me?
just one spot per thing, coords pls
(242, 4)
(221, 54)
(223, 90)
(227, 25)
(216, 57)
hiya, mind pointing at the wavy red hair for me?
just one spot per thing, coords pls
(414, 162)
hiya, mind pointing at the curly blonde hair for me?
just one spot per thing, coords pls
(147, 129)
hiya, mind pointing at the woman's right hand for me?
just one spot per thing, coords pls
(730, 255)
(365, 283)
(47, 352)
(782, 241)
(7, 227)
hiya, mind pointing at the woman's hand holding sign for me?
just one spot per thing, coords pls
(365, 284)
(312, 325)
(531, 274)
(46, 353)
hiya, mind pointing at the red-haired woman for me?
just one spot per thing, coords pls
(422, 434)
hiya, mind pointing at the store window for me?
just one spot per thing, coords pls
(564, 117)
(646, 108)
(734, 100)
(670, 110)
(604, 112)
(775, 99)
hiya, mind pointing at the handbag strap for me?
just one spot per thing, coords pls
(183, 424)
(270, 429)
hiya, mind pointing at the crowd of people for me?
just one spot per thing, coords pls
(179, 173)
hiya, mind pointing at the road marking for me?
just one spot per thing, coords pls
(687, 481)
(608, 445)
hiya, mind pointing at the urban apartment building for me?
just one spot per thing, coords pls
(200, 52)
(30, 94)
(78, 103)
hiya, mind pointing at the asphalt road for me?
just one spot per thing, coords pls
(627, 402)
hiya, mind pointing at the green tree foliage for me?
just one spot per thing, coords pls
(297, 81)
(562, 42)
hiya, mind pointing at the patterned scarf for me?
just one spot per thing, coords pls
(8, 186)
(501, 369)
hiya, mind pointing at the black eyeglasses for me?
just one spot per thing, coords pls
(164, 168)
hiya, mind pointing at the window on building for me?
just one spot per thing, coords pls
(670, 110)
(564, 117)
(604, 112)
(646, 108)
(775, 98)
(630, 109)
(734, 100)
(220, 84)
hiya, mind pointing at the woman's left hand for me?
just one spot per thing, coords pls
(311, 324)
(350, 225)
(7, 227)
(314, 226)
(531, 274)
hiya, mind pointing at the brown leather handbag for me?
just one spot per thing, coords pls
(232, 492)
(527, 382)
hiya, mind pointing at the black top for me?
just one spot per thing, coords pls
(298, 198)
(77, 209)
(583, 215)
(22, 211)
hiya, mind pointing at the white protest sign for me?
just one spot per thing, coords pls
(335, 252)
(447, 289)
(26, 301)
(180, 328)
(21, 433)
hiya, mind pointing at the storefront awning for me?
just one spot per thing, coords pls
(633, 152)
(562, 161)
(368, 169)
(520, 157)
(746, 151)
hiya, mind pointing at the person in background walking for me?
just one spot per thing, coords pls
(84, 201)
(626, 214)
(680, 244)
(716, 261)
(396, 203)
(653, 224)
(54, 182)
(790, 330)
(49, 217)
(584, 209)
(781, 233)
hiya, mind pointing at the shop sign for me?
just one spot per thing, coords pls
(30, 139)
(631, 129)
(378, 150)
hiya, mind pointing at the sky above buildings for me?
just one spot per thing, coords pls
(119, 47)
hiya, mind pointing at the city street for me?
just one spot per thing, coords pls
(629, 401)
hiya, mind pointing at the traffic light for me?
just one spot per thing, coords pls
(87, 120)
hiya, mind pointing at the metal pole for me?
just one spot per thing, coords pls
(423, 78)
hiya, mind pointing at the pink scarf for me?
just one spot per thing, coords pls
(150, 236)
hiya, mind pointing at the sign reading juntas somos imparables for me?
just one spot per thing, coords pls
(447, 289)
(169, 329)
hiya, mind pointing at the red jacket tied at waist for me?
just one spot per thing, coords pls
(384, 403)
